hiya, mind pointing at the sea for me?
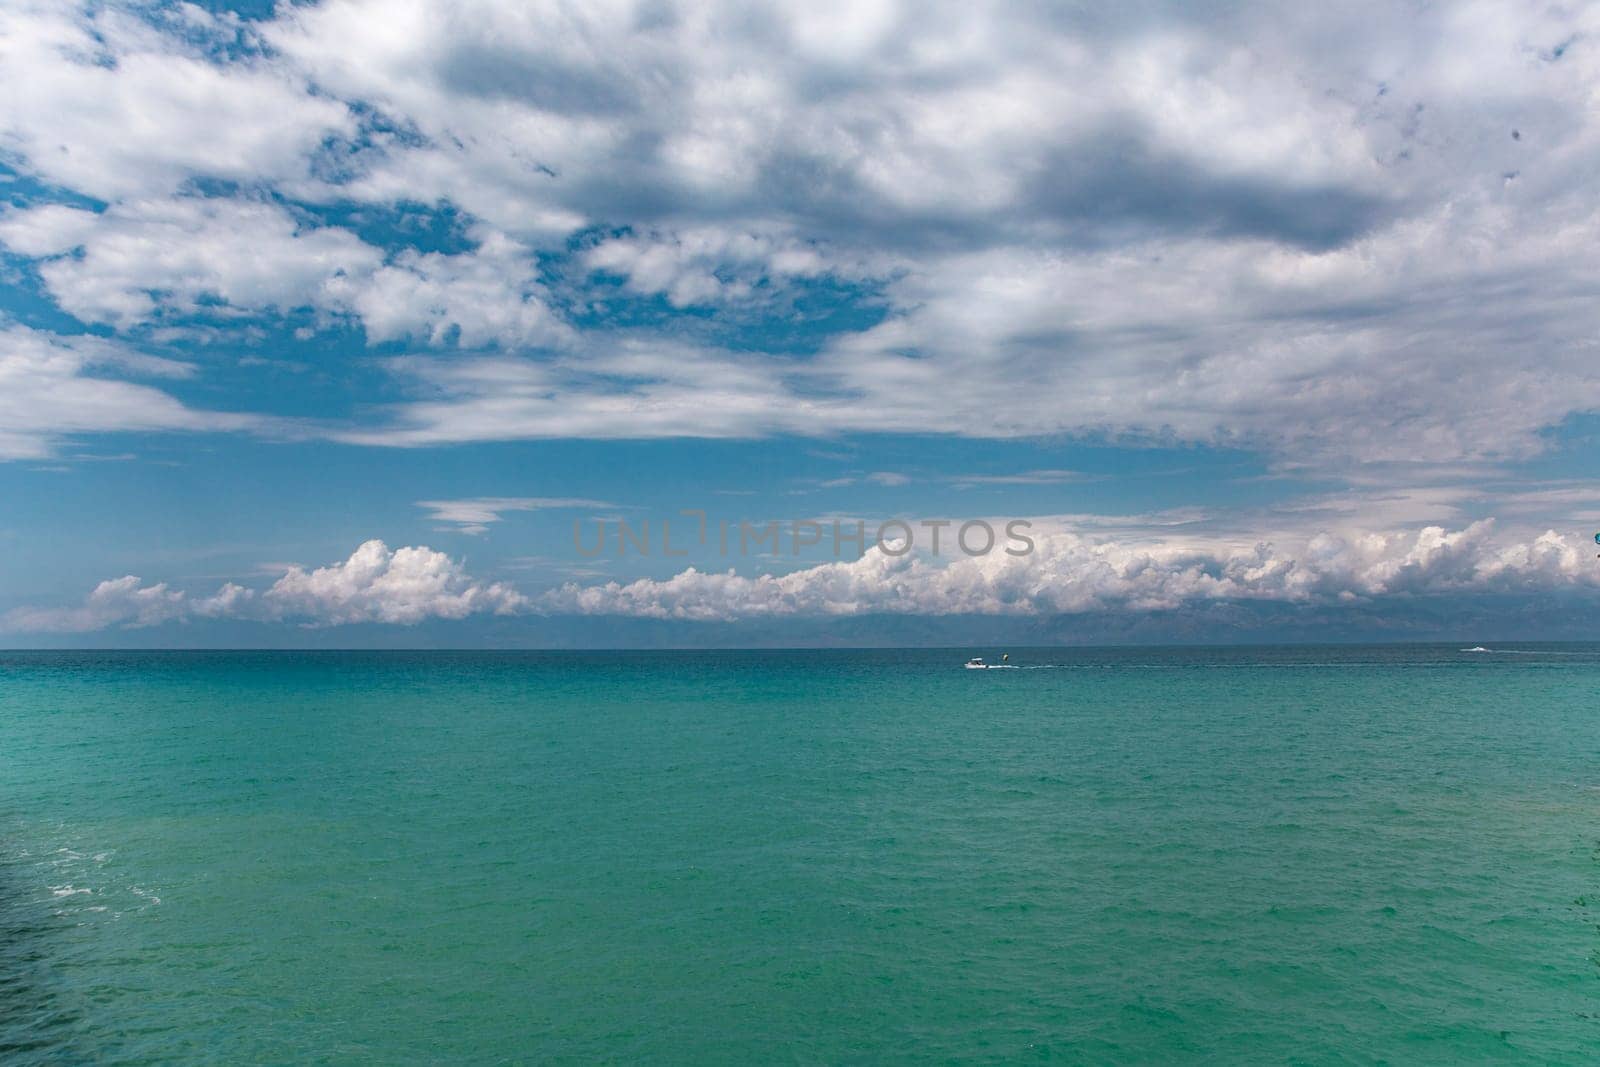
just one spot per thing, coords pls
(1385, 854)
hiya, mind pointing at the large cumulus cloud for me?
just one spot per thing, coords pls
(376, 584)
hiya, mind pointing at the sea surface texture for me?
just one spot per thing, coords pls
(1320, 855)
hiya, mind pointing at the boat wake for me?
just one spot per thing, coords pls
(1522, 651)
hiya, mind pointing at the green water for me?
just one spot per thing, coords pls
(1234, 856)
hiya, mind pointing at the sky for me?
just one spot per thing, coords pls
(358, 323)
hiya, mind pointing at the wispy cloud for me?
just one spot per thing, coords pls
(1035, 477)
(473, 515)
(53, 389)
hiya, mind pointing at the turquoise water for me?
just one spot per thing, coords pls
(1339, 855)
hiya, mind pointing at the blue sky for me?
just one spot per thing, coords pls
(325, 323)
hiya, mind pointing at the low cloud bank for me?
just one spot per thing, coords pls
(376, 584)
(1068, 574)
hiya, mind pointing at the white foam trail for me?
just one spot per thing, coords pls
(1523, 651)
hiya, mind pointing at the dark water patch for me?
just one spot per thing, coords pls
(39, 1020)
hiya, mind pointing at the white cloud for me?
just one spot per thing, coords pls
(715, 265)
(1033, 477)
(124, 602)
(172, 253)
(633, 387)
(100, 101)
(52, 388)
(484, 297)
(141, 260)
(1070, 573)
(376, 584)
(1333, 356)
(231, 601)
(473, 515)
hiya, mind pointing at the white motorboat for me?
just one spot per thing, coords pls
(976, 664)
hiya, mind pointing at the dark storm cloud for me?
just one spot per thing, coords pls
(1120, 180)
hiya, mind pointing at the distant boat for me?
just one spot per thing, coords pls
(976, 664)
